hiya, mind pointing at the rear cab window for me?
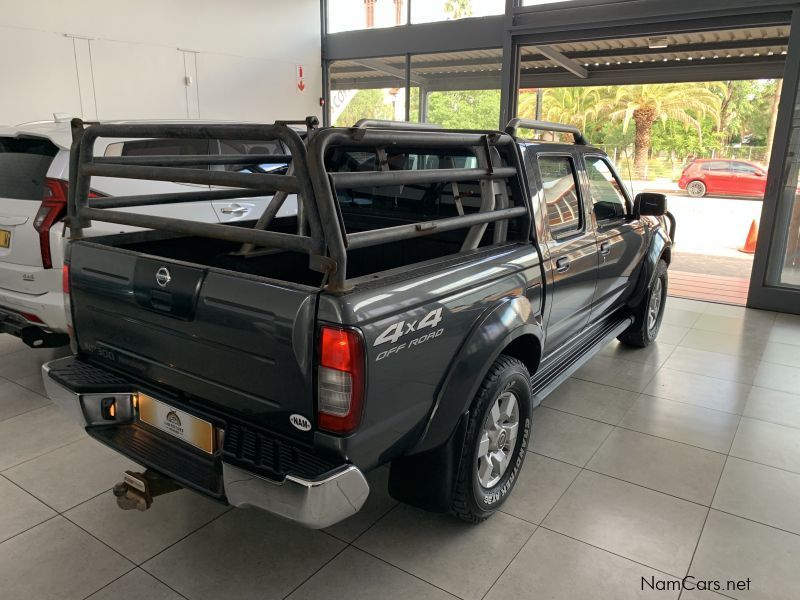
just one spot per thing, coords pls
(562, 199)
(24, 163)
(408, 202)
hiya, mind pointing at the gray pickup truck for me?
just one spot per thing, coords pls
(434, 286)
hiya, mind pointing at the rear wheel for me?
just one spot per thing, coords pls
(649, 312)
(696, 189)
(496, 441)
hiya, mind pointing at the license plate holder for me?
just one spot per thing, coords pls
(177, 423)
(5, 238)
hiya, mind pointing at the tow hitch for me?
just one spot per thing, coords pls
(137, 490)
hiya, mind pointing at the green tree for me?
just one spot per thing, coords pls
(645, 104)
(466, 109)
(366, 104)
(457, 9)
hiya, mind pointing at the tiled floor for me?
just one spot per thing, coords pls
(683, 458)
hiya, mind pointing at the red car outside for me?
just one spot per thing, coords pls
(723, 177)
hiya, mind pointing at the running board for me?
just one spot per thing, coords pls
(567, 362)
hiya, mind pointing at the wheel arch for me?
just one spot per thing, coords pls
(510, 327)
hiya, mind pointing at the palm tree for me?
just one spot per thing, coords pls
(574, 106)
(644, 104)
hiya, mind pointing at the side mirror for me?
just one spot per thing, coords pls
(649, 204)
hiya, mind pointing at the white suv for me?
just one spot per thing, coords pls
(34, 170)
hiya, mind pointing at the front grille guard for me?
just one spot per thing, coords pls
(321, 233)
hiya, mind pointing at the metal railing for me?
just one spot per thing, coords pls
(514, 125)
(321, 232)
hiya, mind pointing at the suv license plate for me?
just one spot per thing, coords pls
(5, 238)
(179, 424)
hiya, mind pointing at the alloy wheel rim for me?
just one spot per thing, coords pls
(498, 439)
(696, 188)
(655, 305)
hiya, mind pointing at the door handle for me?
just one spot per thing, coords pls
(605, 248)
(234, 209)
(563, 264)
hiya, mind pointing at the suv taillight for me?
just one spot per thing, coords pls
(53, 208)
(340, 380)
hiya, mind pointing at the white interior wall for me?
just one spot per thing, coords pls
(117, 59)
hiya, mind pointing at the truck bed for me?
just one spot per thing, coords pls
(289, 266)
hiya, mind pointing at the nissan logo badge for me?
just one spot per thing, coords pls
(163, 277)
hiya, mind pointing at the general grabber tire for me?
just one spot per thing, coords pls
(496, 441)
(649, 312)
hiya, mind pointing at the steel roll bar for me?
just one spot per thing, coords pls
(325, 238)
(84, 165)
(165, 161)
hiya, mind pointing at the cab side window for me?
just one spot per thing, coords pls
(608, 199)
(564, 213)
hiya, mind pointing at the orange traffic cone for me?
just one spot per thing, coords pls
(752, 236)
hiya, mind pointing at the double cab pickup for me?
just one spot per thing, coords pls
(431, 289)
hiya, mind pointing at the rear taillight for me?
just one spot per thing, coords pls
(53, 208)
(65, 287)
(340, 380)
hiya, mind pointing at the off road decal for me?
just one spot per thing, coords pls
(395, 331)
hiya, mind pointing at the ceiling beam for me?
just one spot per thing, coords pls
(376, 64)
(562, 61)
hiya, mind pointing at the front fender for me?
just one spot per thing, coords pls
(499, 326)
(659, 244)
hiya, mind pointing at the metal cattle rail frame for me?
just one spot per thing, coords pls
(321, 232)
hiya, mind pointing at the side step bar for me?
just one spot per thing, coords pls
(565, 363)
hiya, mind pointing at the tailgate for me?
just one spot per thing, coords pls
(235, 341)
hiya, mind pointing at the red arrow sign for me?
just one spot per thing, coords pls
(301, 85)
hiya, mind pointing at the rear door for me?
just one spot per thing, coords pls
(245, 209)
(201, 211)
(24, 165)
(572, 249)
(620, 240)
(719, 177)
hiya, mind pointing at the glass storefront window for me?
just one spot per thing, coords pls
(428, 11)
(350, 15)
(458, 90)
(367, 89)
(786, 254)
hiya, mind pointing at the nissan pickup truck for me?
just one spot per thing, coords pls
(432, 288)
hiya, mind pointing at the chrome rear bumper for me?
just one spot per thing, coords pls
(312, 503)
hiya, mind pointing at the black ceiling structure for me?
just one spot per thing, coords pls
(572, 43)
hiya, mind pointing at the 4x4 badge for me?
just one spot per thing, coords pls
(163, 277)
